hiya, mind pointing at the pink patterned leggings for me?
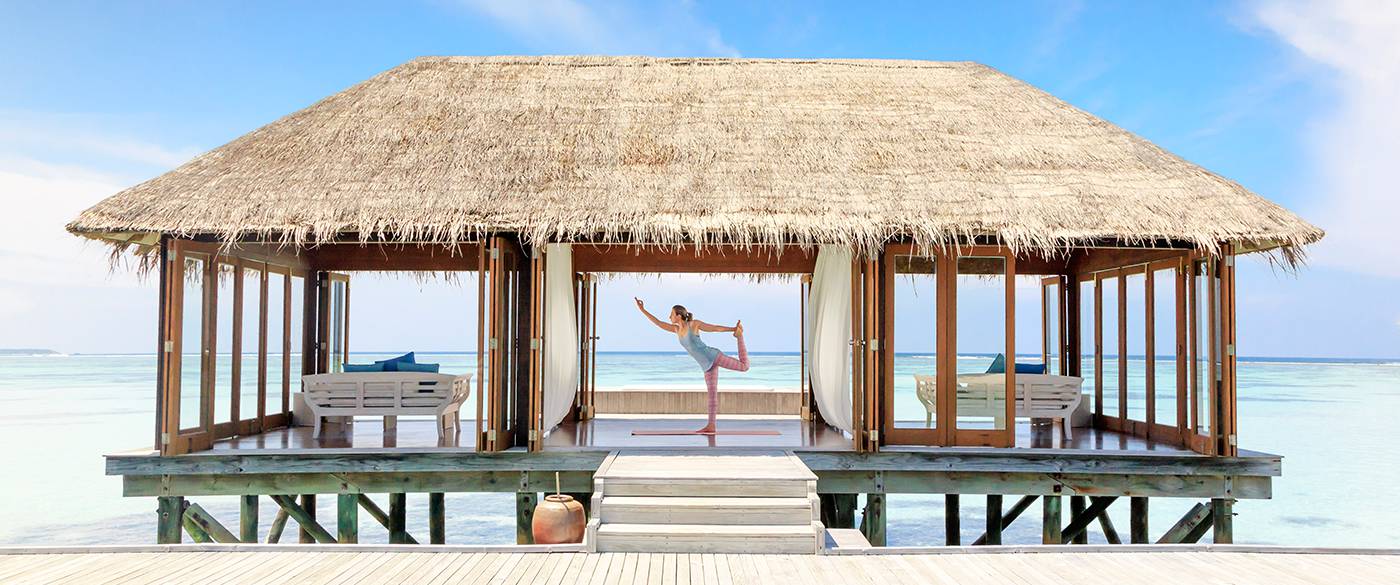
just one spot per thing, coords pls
(712, 376)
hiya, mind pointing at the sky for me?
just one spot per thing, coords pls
(1293, 99)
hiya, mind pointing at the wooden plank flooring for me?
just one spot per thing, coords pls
(442, 568)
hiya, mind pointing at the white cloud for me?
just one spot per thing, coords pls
(1356, 147)
(574, 26)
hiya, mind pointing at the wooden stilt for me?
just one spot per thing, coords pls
(1079, 523)
(170, 511)
(1198, 515)
(347, 518)
(1009, 516)
(279, 523)
(1137, 520)
(1222, 517)
(872, 520)
(381, 517)
(993, 533)
(1050, 518)
(308, 504)
(1076, 509)
(208, 524)
(1110, 533)
(1198, 531)
(304, 518)
(437, 518)
(248, 518)
(398, 516)
(193, 529)
(952, 525)
(524, 516)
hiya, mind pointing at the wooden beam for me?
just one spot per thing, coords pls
(398, 516)
(873, 519)
(994, 521)
(193, 529)
(437, 518)
(1197, 518)
(1109, 532)
(393, 257)
(1089, 261)
(308, 504)
(209, 525)
(952, 517)
(248, 518)
(1137, 520)
(304, 518)
(170, 512)
(1079, 522)
(279, 523)
(347, 518)
(524, 516)
(1050, 519)
(380, 516)
(1007, 518)
(1222, 514)
(711, 259)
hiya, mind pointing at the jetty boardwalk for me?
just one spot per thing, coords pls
(908, 203)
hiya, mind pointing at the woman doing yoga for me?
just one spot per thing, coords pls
(687, 330)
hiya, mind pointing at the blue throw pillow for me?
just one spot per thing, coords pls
(374, 367)
(391, 364)
(998, 365)
(413, 367)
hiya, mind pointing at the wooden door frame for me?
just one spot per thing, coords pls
(892, 434)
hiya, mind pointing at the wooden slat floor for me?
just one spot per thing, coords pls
(373, 567)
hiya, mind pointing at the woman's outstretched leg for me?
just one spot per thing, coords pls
(712, 400)
(729, 363)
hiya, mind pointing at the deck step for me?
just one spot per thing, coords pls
(730, 488)
(708, 538)
(795, 511)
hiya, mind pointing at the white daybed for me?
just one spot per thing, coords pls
(1037, 396)
(387, 394)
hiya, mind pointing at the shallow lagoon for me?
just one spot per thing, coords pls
(1332, 421)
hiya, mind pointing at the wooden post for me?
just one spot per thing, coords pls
(1009, 516)
(308, 503)
(1079, 523)
(1190, 527)
(1076, 509)
(525, 516)
(1137, 520)
(1050, 520)
(1222, 516)
(952, 529)
(279, 523)
(1109, 532)
(437, 516)
(993, 519)
(170, 512)
(872, 520)
(347, 518)
(380, 516)
(248, 518)
(398, 512)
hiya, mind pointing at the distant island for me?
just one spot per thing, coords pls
(27, 352)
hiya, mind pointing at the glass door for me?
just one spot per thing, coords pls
(914, 413)
(981, 363)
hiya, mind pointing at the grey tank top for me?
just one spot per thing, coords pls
(703, 354)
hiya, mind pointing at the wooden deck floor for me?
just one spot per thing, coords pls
(379, 566)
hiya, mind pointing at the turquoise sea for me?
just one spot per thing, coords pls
(1332, 420)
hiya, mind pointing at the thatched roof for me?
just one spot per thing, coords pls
(752, 151)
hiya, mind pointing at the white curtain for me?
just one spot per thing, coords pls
(829, 324)
(561, 350)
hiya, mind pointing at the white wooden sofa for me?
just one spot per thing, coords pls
(387, 394)
(1037, 396)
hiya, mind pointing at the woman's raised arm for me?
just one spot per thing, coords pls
(709, 328)
(659, 323)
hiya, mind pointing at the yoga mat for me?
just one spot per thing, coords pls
(678, 432)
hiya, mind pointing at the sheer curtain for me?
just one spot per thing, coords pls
(561, 368)
(830, 335)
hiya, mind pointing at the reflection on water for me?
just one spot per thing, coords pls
(1331, 421)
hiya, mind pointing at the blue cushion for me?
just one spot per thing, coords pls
(999, 366)
(390, 365)
(374, 367)
(413, 367)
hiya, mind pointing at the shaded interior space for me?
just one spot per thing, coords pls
(615, 431)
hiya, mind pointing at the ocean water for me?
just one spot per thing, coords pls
(1332, 421)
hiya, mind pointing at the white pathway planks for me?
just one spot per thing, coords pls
(310, 567)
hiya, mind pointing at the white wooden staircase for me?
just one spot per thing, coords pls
(697, 501)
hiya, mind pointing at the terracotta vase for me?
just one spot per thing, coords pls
(558, 520)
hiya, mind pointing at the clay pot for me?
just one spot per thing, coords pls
(558, 520)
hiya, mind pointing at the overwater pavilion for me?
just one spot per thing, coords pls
(848, 177)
